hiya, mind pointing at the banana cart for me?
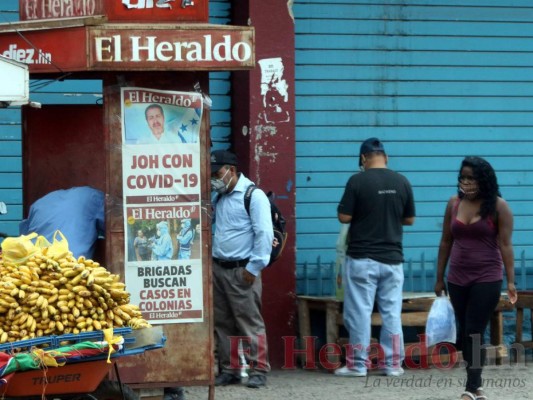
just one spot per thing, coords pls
(83, 374)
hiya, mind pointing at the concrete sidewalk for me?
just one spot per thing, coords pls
(500, 382)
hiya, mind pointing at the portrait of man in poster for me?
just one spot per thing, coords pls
(172, 119)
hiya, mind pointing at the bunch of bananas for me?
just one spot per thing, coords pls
(55, 295)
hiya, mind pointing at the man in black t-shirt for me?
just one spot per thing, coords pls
(376, 203)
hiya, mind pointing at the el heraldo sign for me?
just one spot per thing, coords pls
(56, 36)
(201, 49)
(130, 48)
(116, 10)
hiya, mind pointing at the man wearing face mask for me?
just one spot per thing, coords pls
(241, 249)
(377, 202)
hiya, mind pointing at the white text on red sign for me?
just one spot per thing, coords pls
(151, 49)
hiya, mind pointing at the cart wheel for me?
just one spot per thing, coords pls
(110, 390)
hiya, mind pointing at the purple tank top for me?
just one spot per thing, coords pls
(475, 255)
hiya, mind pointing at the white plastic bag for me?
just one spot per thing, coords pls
(440, 326)
(341, 247)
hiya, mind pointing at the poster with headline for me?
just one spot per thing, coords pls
(162, 194)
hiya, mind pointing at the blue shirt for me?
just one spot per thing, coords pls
(77, 212)
(239, 236)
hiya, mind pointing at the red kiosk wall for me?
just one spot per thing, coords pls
(63, 146)
(266, 150)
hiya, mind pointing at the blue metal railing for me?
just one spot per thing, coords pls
(319, 279)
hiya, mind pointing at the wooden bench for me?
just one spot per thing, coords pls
(525, 300)
(415, 310)
(329, 305)
(414, 318)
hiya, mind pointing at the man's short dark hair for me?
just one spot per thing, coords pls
(153, 106)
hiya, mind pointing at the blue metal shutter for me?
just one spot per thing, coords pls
(219, 84)
(436, 81)
(10, 147)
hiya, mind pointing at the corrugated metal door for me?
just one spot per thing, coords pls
(10, 149)
(436, 80)
(219, 83)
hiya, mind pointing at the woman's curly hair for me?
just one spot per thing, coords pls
(489, 191)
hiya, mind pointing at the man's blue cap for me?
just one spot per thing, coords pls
(219, 158)
(370, 145)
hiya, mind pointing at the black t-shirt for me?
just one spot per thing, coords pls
(378, 200)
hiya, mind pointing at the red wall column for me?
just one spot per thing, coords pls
(263, 138)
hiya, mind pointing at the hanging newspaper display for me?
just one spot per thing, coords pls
(161, 187)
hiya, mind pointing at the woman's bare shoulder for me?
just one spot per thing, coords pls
(452, 200)
(501, 205)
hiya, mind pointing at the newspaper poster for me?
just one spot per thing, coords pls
(162, 194)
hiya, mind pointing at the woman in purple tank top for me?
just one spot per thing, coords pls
(476, 240)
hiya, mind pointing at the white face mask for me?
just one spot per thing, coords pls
(468, 185)
(218, 185)
(470, 191)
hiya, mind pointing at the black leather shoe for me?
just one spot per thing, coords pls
(227, 379)
(174, 393)
(257, 381)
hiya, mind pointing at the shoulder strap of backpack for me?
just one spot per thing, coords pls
(248, 198)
